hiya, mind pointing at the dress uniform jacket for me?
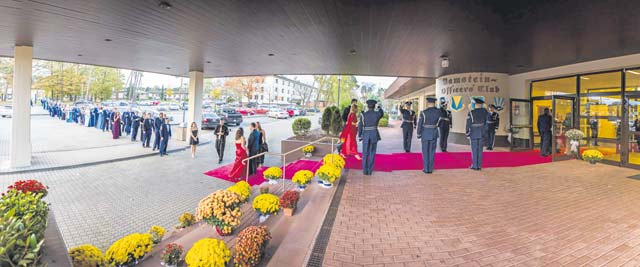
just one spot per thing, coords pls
(368, 133)
(408, 124)
(476, 130)
(428, 133)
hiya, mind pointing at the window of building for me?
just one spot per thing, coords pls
(276, 81)
(560, 86)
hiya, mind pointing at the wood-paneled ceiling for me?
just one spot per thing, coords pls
(364, 37)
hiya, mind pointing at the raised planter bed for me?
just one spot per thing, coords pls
(294, 142)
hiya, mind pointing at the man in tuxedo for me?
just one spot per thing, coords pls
(221, 132)
(157, 123)
(147, 126)
(254, 147)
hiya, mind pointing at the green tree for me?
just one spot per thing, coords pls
(105, 81)
(328, 88)
(216, 93)
(6, 74)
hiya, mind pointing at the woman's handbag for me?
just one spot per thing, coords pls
(264, 147)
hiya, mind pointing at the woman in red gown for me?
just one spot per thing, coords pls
(115, 131)
(238, 169)
(348, 135)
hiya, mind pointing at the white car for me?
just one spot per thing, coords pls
(163, 107)
(174, 106)
(6, 111)
(278, 114)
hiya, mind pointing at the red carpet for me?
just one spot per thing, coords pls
(290, 170)
(450, 160)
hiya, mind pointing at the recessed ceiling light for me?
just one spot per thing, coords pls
(168, 68)
(79, 55)
(208, 61)
(165, 5)
(107, 40)
(270, 54)
(584, 78)
(634, 72)
(352, 51)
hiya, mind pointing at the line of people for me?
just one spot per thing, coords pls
(128, 122)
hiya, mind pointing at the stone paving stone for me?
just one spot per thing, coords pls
(560, 214)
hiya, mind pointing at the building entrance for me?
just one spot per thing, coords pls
(562, 111)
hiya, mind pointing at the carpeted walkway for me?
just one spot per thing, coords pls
(256, 179)
(449, 160)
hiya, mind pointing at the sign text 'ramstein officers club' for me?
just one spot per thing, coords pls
(479, 84)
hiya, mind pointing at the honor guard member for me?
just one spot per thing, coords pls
(492, 126)
(135, 123)
(408, 124)
(369, 135)
(444, 125)
(147, 125)
(544, 129)
(428, 133)
(476, 131)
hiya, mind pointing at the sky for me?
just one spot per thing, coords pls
(153, 79)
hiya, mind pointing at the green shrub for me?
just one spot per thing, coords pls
(301, 126)
(386, 116)
(336, 123)
(383, 122)
(325, 120)
(22, 226)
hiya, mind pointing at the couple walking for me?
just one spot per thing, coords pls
(365, 128)
(256, 144)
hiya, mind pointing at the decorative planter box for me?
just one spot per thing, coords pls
(322, 148)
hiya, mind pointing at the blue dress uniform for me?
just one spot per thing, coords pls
(444, 125)
(492, 125)
(135, 122)
(369, 135)
(408, 124)
(428, 134)
(147, 125)
(157, 123)
(544, 128)
(476, 131)
(165, 133)
(126, 119)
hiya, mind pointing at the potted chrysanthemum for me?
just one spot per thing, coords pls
(302, 178)
(308, 151)
(273, 174)
(171, 255)
(265, 205)
(592, 156)
(574, 136)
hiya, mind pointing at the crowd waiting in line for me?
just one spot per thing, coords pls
(127, 123)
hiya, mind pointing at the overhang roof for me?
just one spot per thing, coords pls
(387, 37)
(403, 86)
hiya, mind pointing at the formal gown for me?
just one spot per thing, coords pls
(348, 137)
(239, 167)
(116, 127)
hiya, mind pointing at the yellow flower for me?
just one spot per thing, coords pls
(266, 203)
(329, 173)
(308, 149)
(333, 159)
(592, 155)
(129, 248)
(156, 232)
(273, 173)
(220, 209)
(302, 177)
(87, 256)
(208, 252)
(243, 189)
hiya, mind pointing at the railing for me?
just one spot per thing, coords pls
(284, 156)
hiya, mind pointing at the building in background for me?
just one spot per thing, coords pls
(280, 90)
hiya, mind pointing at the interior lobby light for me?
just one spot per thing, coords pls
(584, 78)
(165, 5)
(444, 61)
(634, 72)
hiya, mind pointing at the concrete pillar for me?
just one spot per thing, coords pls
(422, 102)
(194, 113)
(20, 155)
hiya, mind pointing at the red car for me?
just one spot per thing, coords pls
(261, 111)
(245, 111)
(290, 111)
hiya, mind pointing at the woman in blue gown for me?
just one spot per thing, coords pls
(100, 119)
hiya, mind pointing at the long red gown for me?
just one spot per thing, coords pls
(238, 169)
(348, 137)
(115, 131)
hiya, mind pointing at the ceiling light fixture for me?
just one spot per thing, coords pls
(79, 55)
(271, 54)
(352, 52)
(444, 60)
(107, 40)
(165, 5)
(168, 68)
(634, 72)
(208, 62)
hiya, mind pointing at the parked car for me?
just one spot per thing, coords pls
(210, 121)
(278, 113)
(290, 112)
(245, 111)
(154, 113)
(83, 103)
(163, 107)
(231, 116)
(174, 106)
(262, 109)
(206, 105)
(314, 110)
(6, 111)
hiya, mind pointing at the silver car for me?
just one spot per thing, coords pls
(6, 111)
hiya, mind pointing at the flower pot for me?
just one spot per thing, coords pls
(592, 161)
(302, 187)
(320, 182)
(169, 265)
(264, 189)
(308, 155)
(263, 217)
(326, 184)
(273, 181)
(288, 212)
(219, 231)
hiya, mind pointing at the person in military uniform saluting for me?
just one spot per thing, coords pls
(492, 126)
(428, 133)
(445, 124)
(369, 135)
(476, 131)
(408, 124)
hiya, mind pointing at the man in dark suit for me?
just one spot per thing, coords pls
(408, 124)
(492, 126)
(369, 136)
(221, 132)
(428, 133)
(476, 128)
(165, 134)
(157, 123)
(254, 147)
(544, 128)
(135, 123)
(147, 127)
(345, 112)
(445, 124)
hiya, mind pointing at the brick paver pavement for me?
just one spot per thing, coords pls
(559, 214)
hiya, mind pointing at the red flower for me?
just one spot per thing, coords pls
(289, 199)
(32, 186)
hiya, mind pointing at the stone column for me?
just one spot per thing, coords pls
(194, 113)
(20, 155)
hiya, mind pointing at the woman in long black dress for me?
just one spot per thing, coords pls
(194, 140)
(263, 145)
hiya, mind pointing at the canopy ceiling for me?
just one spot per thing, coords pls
(364, 37)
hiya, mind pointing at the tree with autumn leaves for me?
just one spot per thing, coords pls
(244, 86)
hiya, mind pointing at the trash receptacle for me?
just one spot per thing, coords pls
(181, 133)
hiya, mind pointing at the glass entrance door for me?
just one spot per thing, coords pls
(520, 137)
(563, 109)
